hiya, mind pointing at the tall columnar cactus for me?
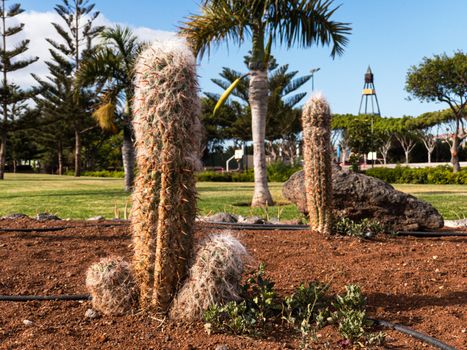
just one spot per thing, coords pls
(167, 132)
(316, 121)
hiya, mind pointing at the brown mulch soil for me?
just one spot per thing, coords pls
(418, 282)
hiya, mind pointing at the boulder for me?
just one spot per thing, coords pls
(358, 196)
(221, 217)
(46, 216)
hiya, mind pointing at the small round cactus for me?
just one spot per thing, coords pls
(167, 132)
(317, 152)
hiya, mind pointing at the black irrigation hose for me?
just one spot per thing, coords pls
(237, 226)
(58, 228)
(432, 233)
(305, 227)
(79, 297)
(76, 297)
(420, 336)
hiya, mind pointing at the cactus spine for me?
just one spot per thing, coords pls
(316, 122)
(164, 200)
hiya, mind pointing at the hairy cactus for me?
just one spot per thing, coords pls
(167, 132)
(111, 285)
(214, 277)
(316, 121)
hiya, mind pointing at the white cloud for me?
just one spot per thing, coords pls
(38, 27)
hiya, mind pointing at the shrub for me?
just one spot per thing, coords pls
(277, 172)
(404, 175)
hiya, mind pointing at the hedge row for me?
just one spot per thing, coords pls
(280, 172)
(277, 172)
(100, 173)
(404, 175)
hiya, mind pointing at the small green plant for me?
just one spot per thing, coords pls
(305, 311)
(233, 317)
(367, 228)
(350, 315)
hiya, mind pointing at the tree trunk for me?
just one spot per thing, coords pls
(60, 158)
(429, 157)
(454, 156)
(384, 159)
(406, 157)
(77, 153)
(258, 91)
(14, 165)
(3, 154)
(128, 157)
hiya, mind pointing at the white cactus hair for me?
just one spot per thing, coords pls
(111, 285)
(214, 277)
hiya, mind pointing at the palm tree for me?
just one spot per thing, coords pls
(111, 68)
(302, 22)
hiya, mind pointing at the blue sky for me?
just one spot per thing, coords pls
(389, 35)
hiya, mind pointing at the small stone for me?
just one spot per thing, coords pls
(435, 257)
(15, 216)
(222, 217)
(253, 220)
(46, 216)
(97, 218)
(28, 323)
(91, 313)
(221, 347)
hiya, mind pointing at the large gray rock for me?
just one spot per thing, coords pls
(357, 196)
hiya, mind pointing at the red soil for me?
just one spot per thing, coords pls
(418, 282)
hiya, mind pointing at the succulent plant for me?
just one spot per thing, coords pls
(167, 133)
(316, 122)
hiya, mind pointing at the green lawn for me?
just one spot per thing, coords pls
(85, 197)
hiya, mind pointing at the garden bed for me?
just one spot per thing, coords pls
(416, 282)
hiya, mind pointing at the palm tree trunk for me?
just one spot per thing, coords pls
(454, 155)
(258, 91)
(77, 153)
(128, 157)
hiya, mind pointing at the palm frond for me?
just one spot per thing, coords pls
(296, 84)
(218, 21)
(294, 100)
(307, 23)
(105, 117)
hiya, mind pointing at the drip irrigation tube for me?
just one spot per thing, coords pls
(236, 226)
(79, 297)
(420, 336)
(57, 228)
(76, 297)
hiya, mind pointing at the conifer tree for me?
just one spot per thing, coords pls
(10, 62)
(76, 44)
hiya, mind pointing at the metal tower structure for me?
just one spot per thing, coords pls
(369, 95)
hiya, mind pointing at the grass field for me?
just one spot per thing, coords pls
(85, 197)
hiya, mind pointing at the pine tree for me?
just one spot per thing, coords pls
(76, 45)
(55, 103)
(10, 62)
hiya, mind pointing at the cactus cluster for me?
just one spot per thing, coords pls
(214, 277)
(317, 152)
(167, 134)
